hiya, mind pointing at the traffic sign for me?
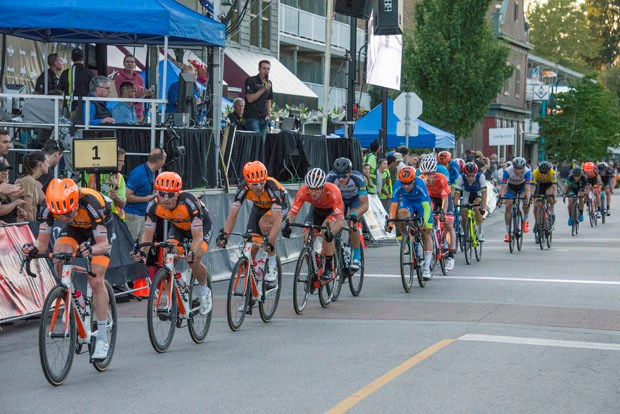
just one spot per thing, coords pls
(407, 107)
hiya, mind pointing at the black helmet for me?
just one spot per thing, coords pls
(342, 165)
(576, 172)
(544, 167)
(470, 168)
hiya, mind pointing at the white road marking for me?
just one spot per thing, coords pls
(509, 279)
(540, 342)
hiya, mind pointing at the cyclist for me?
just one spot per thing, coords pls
(445, 158)
(516, 180)
(352, 186)
(440, 194)
(411, 196)
(575, 186)
(270, 207)
(85, 213)
(326, 208)
(472, 186)
(594, 184)
(607, 175)
(190, 220)
(545, 182)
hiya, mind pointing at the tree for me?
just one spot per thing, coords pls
(604, 21)
(583, 123)
(559, 32)
(611, 78)
(454, 63)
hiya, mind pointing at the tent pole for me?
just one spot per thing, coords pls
(164, 93)
(45, 71)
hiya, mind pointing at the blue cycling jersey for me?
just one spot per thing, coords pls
(355, 185)
(479, 183)
(455, 171)
(418, 193)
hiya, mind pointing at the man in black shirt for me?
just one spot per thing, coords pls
(55, 64)
(258, 99)
(75, 81)
(236, 118)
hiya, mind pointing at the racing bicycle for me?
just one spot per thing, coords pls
(345, 256)
(411, 251)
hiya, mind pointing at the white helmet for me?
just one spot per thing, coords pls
(315, 178)
(428, 163)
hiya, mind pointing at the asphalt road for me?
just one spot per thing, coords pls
(530, 332)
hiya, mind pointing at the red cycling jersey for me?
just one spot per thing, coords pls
(439, 187)
(330, 200)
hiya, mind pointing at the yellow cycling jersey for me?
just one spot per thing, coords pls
(550, 177)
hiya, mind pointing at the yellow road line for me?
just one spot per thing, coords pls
(359, 395)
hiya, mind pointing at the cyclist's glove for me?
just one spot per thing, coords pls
(329, 236)
(86, 249)
(286, 231)
(353, 217)
(483, 211)
(269, 247)
(34, 250)
(221, 239)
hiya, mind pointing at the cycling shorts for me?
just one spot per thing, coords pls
(514, 190)
(420, 209)
(436, 204)
(74, 236)
(541, 188)
(317, 216)
(175, 233)
(351, 203)
(256, 214)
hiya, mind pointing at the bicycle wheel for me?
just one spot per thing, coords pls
(197, 324)
(326, 291)
(476, 243)
(511, 231)
(467, 243)
(356, 280)
(591, 214)
(418, 251)
(161, 318)
(539, 229)
(238, 294)
(56, 349)
(111, 328)
(302, 281)
(341, 272)
(548, 234)
(271, 295)
(407, 263)
(519, 230)
(435, 251)
(575, 215)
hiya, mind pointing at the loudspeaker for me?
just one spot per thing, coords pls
(355, 8)
(388, 18)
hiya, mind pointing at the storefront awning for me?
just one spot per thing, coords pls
(287, 88)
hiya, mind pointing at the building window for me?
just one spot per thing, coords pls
(517, 81)
(516, 16)
(260, 27)
(234, 36)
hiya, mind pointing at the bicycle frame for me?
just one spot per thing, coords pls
(252, 241)
(181, 294)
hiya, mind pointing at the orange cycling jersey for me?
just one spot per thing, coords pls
(188, 207)
(93, 210)
(274, 194)
(330, 200)
(437, 186)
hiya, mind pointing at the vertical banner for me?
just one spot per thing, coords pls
(21, 294)
(375, 219)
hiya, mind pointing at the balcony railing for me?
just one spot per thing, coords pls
(310, 26)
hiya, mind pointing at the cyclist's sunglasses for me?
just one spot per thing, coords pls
(409, 183)
(167, 194)
(343, 176)
(261, 184)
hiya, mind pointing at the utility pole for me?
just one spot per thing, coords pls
(351, 76)
(327, 66)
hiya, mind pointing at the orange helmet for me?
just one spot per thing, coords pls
(169, 181)
(254, 172)
(406, 174)
(444, 157)
(62, 196)
(589, 167)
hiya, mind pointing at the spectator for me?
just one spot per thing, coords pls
(112, 185)
(125, 112)
(10, 207)
(129, 74)
(385, 193)
(173, 90)
(413, 160)
(371, 159)
(370, 183)
(391, 162)
(258, 99)
(140, 191)
(75, 81)
(5, 144)
(34, 164)
(235, 118)
(481, 161)
(399, 161)
(55, 63)
(99, 112)
(54, 151)
(404, 151)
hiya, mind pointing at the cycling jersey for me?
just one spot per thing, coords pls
(415, 200)
(454, 171)
(273, 193)
(479, 184)
(550, 177)
(576, 186)
(606, 175)
(355, 185)
(438, 186)
(188, 207)
(331, 199)
(511, 177)
(92, 211)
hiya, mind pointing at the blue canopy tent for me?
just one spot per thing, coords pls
(367, 130)
(109, 22)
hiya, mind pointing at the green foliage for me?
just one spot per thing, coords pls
(611, 79)
(454, 63)
(584, 122)
(559, 32)
(604, 22)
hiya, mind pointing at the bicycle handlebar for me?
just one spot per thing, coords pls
(250, 236)
(308, 226)
(64, 256)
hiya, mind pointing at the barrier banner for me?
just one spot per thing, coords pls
(375, 219)
(21, 294)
